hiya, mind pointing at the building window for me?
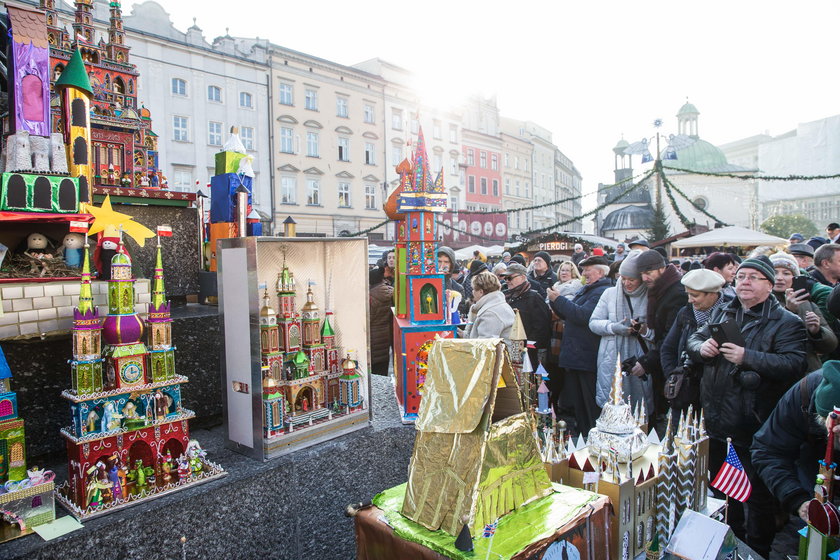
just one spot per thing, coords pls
(470, 158)
(180, 131)
(341, 107)
(369, 116)
(182, 180)
(471, 184)
(484, 185)
(179, 87)
(288, 190)
(285, 96)
(507, 186)
(453, 203)
(453, 164)
(517, 187)
(312, 145)
(415, 123)
(214, 133)
(370, 151)
(527, 189)
(495, 187)
(453, 133)
(311, 102)
(247, 134)
(370, 197)
(396, 155)
(437, 163)
(246, 100)
(482, 160)
(494, 162)
(214, 93)
(396, 119)
(343, 149)
(436, 130)
(313, 192)
(287, 144)
(344, 195)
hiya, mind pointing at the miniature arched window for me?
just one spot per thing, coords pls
(16, 192)
(83, 189)
(428, 299)
(130, 86)
(78, 113)
(119, 86)
(294, 336)
(80, 151)
(16, 454)
(67, 196)
(107, 81)
(42, 194)
(59, 68)
(84, 346)
(33, 98)
(6, 408)
(264, 341)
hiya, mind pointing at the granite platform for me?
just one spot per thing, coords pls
(289, 507)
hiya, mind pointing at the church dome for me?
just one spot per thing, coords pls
(688, 109)
(620, 147)
(699, 156)
(629, 217)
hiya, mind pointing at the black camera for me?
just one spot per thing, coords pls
(628, 364)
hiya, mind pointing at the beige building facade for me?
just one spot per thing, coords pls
(517, 154)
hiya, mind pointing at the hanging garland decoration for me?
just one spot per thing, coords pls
(553, 202)
(752, 176)
(683, 218)
(366, 231)
(696, 207)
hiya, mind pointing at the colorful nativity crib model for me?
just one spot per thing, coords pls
(26, 496)
(129, 439)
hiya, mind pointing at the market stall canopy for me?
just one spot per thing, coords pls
(732, 236)
(467, 252)
(494, 251)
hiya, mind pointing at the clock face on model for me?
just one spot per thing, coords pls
(131, 372)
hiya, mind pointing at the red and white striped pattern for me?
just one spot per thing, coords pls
(731, 479)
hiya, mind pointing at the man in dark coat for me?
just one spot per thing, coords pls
(579, 351)
(542, 276)
(787, 449)
(827, 265)
(742, 383)
(381, 296)
(666, 296)
(535, 314)
(703, 288)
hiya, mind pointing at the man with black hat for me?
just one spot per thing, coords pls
(804, 255)
(535, 314)
(833, 231)
(579, 351)
(640, 244)
(758, 352)
(542, 276)
(666, 296)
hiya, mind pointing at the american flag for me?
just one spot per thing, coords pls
(731, 479)
(490, 529)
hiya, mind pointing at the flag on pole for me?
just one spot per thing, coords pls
(490, 529)
(731, 479)
(78, 227)
(164, 231)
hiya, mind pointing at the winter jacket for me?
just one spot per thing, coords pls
(448, 282)
(580, 345)
(774, 349)
(540, 284)
(822, 343)
(381, 322)
(476, 267)
(535, 315)
(676, 341)
(787, 449)
(601, 323)
(490, 317)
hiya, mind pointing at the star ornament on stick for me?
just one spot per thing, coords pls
(104, 216)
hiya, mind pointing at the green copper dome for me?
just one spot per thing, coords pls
(621, 146)
(700, 156)
(75, 74)
(121, 258)
(688, 109)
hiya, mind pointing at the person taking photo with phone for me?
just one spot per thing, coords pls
(742, 384)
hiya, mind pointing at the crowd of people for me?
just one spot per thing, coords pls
(752, 340)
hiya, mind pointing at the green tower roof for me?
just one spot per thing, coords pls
(158, 289)
(85, 293)
(326, 329)
(75, 74)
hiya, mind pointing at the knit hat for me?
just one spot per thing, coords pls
(801, 249)
(703, 280)
(477, 266)
(650, 260)
(817, 242)
(827, 394)
(783, 260)
(544, 256)
(763, 265)
(518, 258)
(796, 238)
(640, 242)
(597, 251)
(629, 266)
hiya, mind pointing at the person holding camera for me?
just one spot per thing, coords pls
(682, 376)
(792, 290)
(619, 319)
(757, 353)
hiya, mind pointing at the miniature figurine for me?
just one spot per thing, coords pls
(110, 418)
(141, 475)
(38, 250)
(92, 417)
(183, 468)
(125, 181)
(94, 488)
(160, 405)
(114, 478)
(72, 247)
(166, 468)
(105, 250)
(196, 456)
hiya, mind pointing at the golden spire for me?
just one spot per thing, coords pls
(518, 330)
(158, 289)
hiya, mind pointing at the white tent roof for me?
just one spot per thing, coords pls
(467, 252)
(730, 236)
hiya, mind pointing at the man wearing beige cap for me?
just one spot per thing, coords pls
(682, 376)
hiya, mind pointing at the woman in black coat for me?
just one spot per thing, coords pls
(534, 312)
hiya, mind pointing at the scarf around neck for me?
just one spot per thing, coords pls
(670, 277)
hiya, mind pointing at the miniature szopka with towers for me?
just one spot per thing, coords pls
(307, 380)
(129, 439)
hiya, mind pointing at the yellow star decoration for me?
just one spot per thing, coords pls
(104, 216)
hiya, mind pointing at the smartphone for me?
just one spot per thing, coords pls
(726, 331)
(802, 283)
